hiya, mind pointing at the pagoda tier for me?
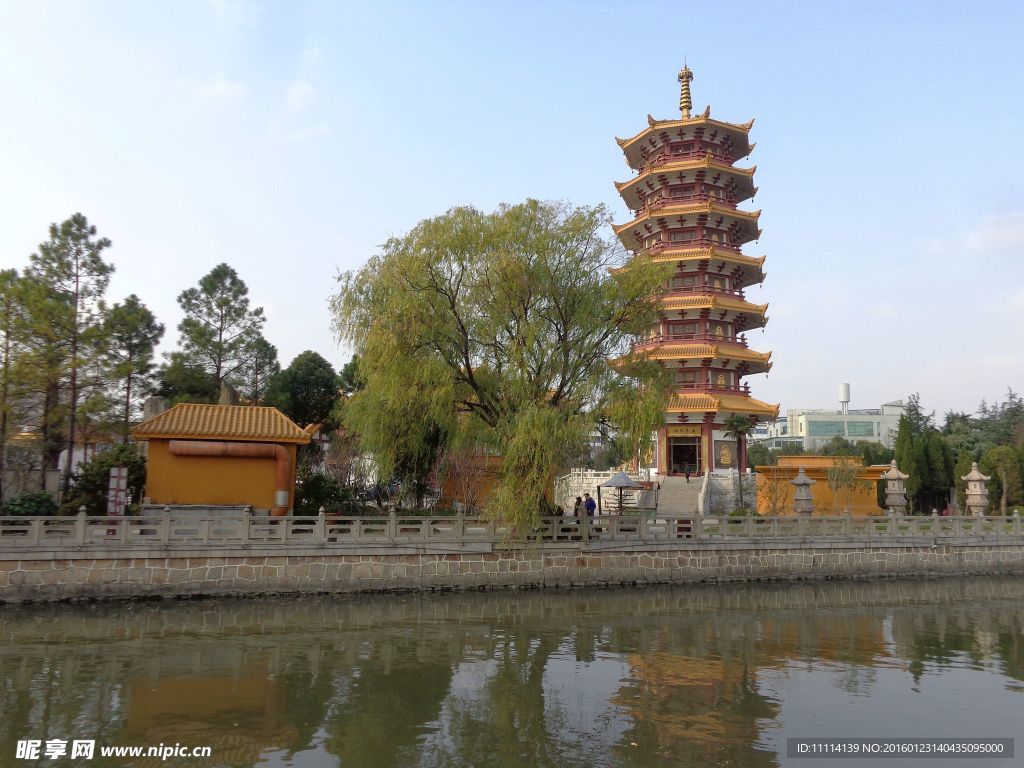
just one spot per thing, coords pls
(719, 304)
(662, 138)
(680, 180)
(742, 270)
(709, 223)
(684, 202)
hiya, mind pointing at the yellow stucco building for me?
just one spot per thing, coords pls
(221, 455)
(855, 493)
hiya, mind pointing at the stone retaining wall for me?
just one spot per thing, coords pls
(64, 575)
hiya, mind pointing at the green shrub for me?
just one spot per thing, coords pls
(90, 482)
(30, 504)
(317, 490)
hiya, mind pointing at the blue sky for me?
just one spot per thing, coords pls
(289, 139)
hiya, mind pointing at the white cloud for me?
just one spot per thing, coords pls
(997, 232)
(218, 89)
(1011, 305)
(235, 11)
(300, 95)
(308, 132)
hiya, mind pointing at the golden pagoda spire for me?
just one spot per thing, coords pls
(685, 102)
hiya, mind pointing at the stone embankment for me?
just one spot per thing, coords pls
(95, 560)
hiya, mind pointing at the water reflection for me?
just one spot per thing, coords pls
(714, 676)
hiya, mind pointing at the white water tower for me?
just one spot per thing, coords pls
(844, 398)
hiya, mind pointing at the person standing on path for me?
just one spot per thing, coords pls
(589, 505)
(577, 509)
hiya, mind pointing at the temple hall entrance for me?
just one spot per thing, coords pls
(684, 452)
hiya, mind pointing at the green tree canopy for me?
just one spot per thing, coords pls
(257, 369)
(182, 382)
(1002, 463)
(501, 323)
(306, 390)
(132, 334)
(219, 326)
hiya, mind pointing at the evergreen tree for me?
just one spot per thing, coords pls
(8, 349)
(306, 390)
(258, 368)
(915, 415)
(70, 264)
(40, 366)
(962, 469)
(132, 335)
(940, 468)
(219, 326)
(349, 380)
(181, 382)
(1002, 463)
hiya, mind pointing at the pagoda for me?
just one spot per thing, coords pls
(685, 201)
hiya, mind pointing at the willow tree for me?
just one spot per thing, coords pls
(501, 325)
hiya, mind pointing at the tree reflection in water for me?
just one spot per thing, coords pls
(652, 677)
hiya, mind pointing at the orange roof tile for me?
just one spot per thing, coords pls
(194, 421)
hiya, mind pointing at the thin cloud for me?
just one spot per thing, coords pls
(299, 96)
(995, 234)
(218, 89)
(998, 232)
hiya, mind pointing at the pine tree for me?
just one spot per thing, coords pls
(8, 348)
(132, 335)
(257, 369)
(963, 468)
(70, 264)
(218, 326)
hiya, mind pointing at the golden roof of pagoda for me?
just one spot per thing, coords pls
(688, 165)
(706, 253)
(701, 402)
(704, 118)
(706, 301)
(683, 252)
(671, 351)
(682, 209)
(654, 128)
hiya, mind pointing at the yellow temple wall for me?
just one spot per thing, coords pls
(775, 493)
(212, 480)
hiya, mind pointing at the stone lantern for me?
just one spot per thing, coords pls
(895, 490)
(803, 502)
(977, 491)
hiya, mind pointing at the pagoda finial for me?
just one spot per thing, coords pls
(685, 102)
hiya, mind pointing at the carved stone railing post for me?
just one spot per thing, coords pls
(698, 528)
(585, 527)
(460, 526)
(1016, 522)
(81, 527)
(392, 526)
(165, 526)
(321, 525)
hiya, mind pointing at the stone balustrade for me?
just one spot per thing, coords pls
(169, 531)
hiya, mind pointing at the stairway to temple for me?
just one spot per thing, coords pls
(678, 497)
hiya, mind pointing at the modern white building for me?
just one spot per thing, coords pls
(814, 428)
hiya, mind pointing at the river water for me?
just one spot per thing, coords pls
(682, 676)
